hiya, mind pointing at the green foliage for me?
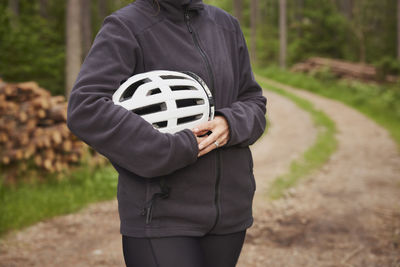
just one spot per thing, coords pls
(29, 202)
(267, 46)
(315, 156)
(379, 102)
(322, 29)
(324, 74)
(374, 28)
(386, 66)
(224, 4)
(32, 50)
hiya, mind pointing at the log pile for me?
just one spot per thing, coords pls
(341, 69)
(33, 127)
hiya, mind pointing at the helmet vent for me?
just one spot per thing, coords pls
(154, 91)
(180, 87)
(189, 118)
(181, 103)
(160, 124)
(150, 109)
(173, 77)
(128, 93)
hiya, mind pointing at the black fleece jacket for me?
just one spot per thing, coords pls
(163, 188)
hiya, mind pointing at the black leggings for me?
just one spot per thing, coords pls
(205, 251)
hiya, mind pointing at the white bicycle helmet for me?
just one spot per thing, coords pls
(171, 101)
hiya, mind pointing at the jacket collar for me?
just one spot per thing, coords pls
(174, 9)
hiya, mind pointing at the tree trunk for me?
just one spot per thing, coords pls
(253, 26)
(103, 9)
(398, 29)
(237, 9)
(13, 5)
(359, 30)
(348, 8)
(73, 43)
(86, 26)
(299, 17)
(43, 8)
(362, 55)
(282, 33)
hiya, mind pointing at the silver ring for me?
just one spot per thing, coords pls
(216, 144)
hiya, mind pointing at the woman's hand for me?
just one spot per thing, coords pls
(219, 134)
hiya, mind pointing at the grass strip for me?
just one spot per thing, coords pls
(380, 102)
(315, 156)
(27, 203)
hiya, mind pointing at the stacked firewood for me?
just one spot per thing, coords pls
(33, 127)
(341, 69)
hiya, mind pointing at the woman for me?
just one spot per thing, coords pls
(184, 199)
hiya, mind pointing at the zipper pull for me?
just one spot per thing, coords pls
(149, 214)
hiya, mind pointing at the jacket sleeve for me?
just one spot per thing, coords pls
(123, 137)
(246, 116)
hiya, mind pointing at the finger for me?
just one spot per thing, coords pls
(207, 150)
(203, 127)
(200, 139)
(222, 140)
(216, 135)
(202, 133)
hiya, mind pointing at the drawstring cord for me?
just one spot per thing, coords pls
(148, 207)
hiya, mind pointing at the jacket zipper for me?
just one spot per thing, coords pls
(210, 73)
(201, 51)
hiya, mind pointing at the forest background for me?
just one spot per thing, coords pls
(45, 40)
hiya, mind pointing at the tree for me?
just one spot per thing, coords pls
(43, 8)
(73, 43)
(13, 5)
(253, 26)
(103, 9)
(86, 26)
(237, 9)
(398, 29)
(299, 17)
(282, 34)
(346, 7)
(360, 30)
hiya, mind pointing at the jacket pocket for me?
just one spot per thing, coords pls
(156, 191)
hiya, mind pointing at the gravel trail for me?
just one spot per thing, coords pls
(345, 214)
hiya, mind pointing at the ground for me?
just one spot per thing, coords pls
(347, 213)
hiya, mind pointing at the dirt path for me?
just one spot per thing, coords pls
(346, 214)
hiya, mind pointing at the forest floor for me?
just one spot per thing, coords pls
(347, 213)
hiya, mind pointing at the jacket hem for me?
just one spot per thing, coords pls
(154, 232)
(230, 230)
(161, 232)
